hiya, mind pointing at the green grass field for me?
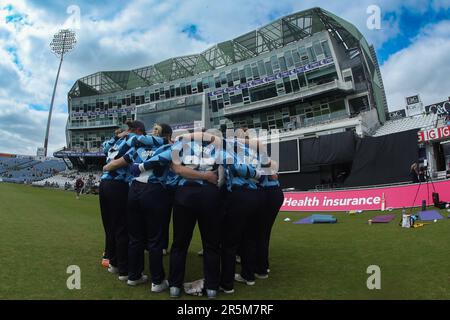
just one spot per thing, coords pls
(44, 231)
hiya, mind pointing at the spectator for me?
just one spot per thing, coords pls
(422, 174)
(414, 173)
(79, 184)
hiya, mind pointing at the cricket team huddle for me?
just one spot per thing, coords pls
(229, 186)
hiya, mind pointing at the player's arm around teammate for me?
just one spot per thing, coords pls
(197, 199)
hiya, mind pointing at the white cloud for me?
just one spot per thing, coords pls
(423, 68)
(22, 129)
(133, 34)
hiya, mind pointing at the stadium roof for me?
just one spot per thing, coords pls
(272, 36)
(407, 123)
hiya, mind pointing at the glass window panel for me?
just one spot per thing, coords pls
(269, 68)
(326, 49)
(289, 59)
(217, 82)
(311, 55)
(255, 72)
(274, 62)
(237, 98)
(248, 71)
(229, 79)
(261, 69)
(287, 85)
(242, 76)
(187, 114)
(295, 85)
(282, 63)
(263, 92)
(223, 78)
(318, 48)
(205, 83)
(304, 59)
(337, 106)
(235, 74)
(199, 87)
(214, 105)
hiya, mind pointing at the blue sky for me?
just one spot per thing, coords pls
(412, 47)
(410, 23)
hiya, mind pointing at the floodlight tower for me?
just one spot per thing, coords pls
(63, 42)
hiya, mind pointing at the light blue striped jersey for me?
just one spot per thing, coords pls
(142, 149)
(193, 154)
(115, 148)
(243, 171)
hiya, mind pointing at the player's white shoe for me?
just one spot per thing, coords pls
(142, 280)
(211, 294)
(113, 269)
(160, 287)
(226, 291)
(174, 292)
(239, 278)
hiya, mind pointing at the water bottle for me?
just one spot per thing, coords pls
(405, 218)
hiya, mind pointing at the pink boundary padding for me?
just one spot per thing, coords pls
(365, 198)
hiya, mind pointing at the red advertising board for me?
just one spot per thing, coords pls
(434, 134)
(8, 155)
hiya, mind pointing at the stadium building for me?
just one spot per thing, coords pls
(310, 74)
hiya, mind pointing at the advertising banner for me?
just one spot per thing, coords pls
(441, 108)
(434, 134)
(66, 154)
(367, 198)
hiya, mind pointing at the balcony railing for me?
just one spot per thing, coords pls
(93, 124)
(311, 90)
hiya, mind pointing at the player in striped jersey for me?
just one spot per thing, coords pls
(113, 194)
(197, 199)
(271, 201)
(241, 209)
(146, 210)
(171, 183)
